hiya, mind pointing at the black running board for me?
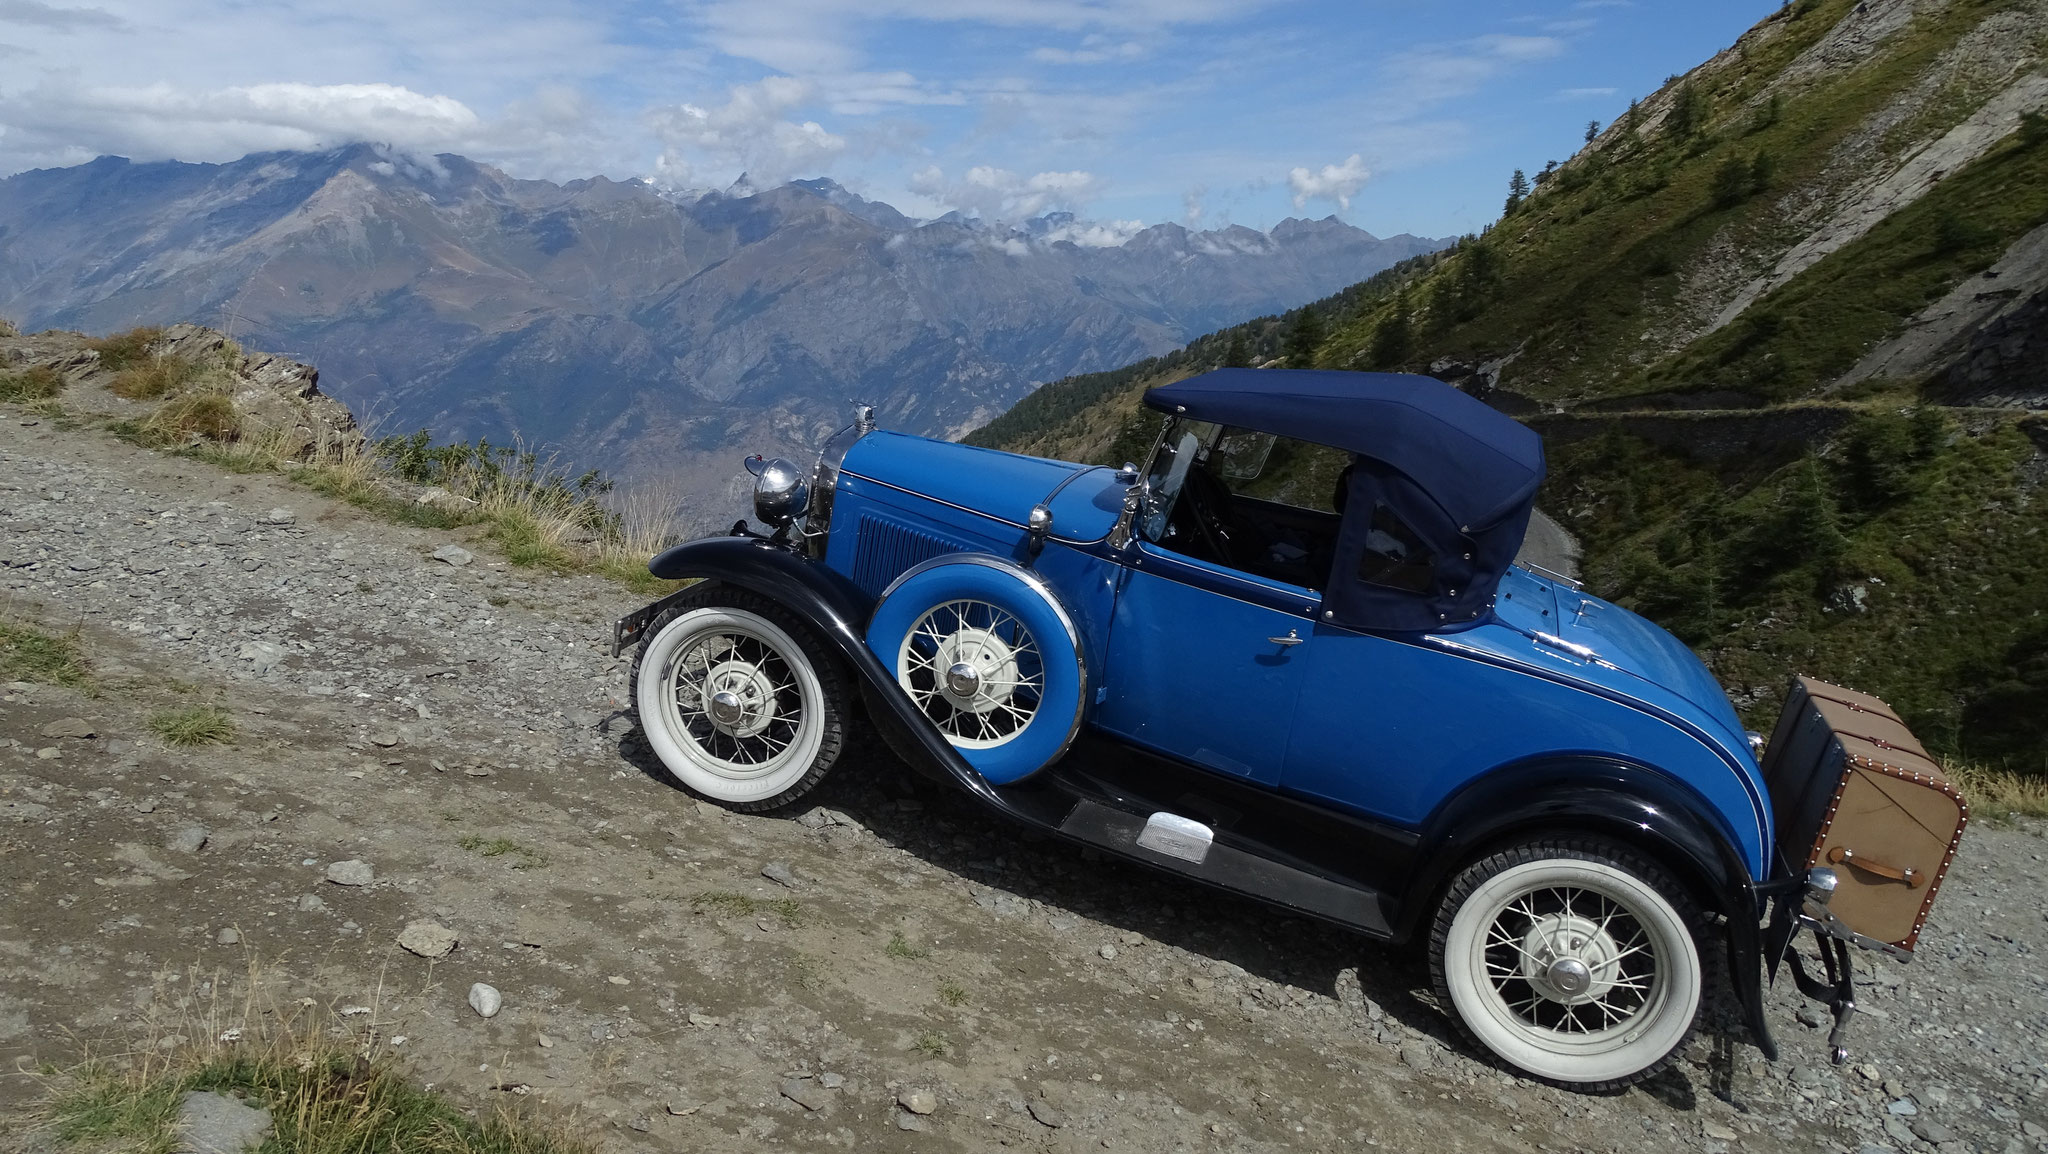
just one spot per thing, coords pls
(1233, 869)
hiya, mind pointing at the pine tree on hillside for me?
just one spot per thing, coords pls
(1592, 131)
(1688, 112)
(1731, 182)
(1518, 191)
(1304, 338)
(1237, 355)
(1394, 339)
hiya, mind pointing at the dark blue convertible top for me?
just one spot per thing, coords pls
(1438, 502)
(1479, 463)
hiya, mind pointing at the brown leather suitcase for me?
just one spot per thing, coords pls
(1855, 791)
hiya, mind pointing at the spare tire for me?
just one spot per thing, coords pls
(989, 656)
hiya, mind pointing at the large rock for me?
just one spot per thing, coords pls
(211, 1123)
(427, 939)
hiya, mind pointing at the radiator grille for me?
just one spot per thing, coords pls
(886, 549)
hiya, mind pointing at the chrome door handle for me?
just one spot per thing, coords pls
(1293, 638)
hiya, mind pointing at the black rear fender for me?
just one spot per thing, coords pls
(1633, 804)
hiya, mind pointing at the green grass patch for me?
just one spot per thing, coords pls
(193, 725)
(322, 1096)
(504, 847)
(900, 947)
(28, 654)
(952, 993)
(30, 385)
(728, 904)
(932, 1044)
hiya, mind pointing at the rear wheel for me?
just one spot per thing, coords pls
(1573, 960)
(738, 700)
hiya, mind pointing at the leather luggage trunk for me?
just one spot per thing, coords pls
(1854, 790)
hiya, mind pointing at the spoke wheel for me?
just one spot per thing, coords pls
(1572, 961)
(738, 700)
(975, 670)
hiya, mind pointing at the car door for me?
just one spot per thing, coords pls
(1205, 663)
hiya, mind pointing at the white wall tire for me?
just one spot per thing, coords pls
(1573, 961)
(738, 701)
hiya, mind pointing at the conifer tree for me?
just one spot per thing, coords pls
(1518, 190)
(1304, 339)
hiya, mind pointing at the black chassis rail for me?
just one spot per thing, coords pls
(1590, 794)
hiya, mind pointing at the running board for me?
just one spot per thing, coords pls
(1167, 842)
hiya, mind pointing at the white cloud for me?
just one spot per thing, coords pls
(1094, 49)
(1584, 93)
(1433, 74)
(37, 14)
(750, 132)
(999, 194)
(1338, 182)
(819, 37)
(1192, 206)
(160, 121)
(1094, 233)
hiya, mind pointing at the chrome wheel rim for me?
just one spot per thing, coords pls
(975, 670)
(1571, 962)
(736, 701)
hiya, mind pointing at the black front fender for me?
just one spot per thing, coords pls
(1639, 806)
(837, 611)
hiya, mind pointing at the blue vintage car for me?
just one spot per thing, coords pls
(1308, 670)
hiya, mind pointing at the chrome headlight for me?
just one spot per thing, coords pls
(781, 494)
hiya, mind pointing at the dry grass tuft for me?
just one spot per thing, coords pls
(194, 725)
(121, 350)
(39, 383)
(155, 377)
(209, 416)
(2000, 795)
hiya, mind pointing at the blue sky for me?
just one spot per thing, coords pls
(1398, 117)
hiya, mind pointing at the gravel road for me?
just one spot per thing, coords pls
(886, 969)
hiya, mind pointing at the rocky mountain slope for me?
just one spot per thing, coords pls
(626, 327)
(411, 739)
(1784, 328)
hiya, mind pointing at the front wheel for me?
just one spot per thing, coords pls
(1573, 960)
(738, 700)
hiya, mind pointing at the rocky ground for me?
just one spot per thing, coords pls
(888, 969)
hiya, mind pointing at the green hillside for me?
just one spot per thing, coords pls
(1690, 310)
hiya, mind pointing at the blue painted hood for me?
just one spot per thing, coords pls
(988, 481)
(1634, 656)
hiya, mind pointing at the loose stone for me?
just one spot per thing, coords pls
(485, 1000)
(351, 873)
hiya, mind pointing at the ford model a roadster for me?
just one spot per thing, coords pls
(1308, 670)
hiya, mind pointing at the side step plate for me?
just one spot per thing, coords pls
(1131, 836)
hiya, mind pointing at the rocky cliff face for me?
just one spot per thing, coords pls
(631, 329)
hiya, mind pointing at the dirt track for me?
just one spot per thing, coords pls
(458, 729)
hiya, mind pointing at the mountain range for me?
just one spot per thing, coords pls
(629, 327)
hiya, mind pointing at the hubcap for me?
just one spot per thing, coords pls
(975, 670)
(736, 701)
(963, 681)
(1570, 960)
(727, 709)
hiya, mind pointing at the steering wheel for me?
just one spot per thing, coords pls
(1207, 502)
